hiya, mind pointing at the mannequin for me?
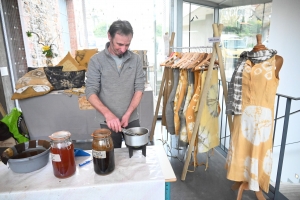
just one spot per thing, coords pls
(241, 186)
(259, 46)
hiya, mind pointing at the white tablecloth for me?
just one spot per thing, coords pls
(137, 177)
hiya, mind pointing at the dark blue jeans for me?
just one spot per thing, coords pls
(118, 137)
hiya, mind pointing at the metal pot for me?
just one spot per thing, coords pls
(140, 138)
(28, 156)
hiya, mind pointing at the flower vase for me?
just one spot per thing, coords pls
(49, 61)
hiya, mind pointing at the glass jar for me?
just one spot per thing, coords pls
(103, 152)
(62, 154)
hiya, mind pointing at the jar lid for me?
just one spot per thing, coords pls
(101, 133)
(60, 135)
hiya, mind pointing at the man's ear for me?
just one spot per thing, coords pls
(109, 36)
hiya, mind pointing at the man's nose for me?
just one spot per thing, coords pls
(123, 49)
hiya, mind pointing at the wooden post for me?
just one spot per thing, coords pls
(218, 31)
(171, 43)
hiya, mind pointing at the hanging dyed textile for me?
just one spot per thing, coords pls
(179, 97)
(208, 133)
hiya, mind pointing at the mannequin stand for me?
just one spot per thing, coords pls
(241, 186)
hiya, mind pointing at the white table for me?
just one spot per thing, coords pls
(137, 177)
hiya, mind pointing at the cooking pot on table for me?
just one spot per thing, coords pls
(28, 156)
(140, 136)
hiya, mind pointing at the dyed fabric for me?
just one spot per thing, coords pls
(170, 103)
(208, 133)
(182, 127)
(167, 91)
(179, 97)
(192, 107)
(62, 80)
(33, 83)
(183, 130)
(249, 157)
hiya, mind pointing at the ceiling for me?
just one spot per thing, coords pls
(227, 3)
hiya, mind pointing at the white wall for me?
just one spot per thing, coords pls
(284, 37)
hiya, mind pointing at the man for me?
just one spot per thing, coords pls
(115, 82)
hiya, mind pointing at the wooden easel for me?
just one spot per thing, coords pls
(161, 90)
(217, 29)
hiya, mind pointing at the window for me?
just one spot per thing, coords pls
(197, 25)
(241, 25)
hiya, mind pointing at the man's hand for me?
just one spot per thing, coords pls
(113, 123)
(111, 120)
(124, 121)
(133, 104)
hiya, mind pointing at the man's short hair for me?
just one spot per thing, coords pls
(120, 27)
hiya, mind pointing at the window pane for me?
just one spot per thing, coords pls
(241, 25)
(197, 25)
(149, 19)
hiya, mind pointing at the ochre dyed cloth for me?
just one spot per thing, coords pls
(179, 96)
(249, 157)
(190, 90)
(192, 107)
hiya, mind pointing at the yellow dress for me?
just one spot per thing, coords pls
(249, 157)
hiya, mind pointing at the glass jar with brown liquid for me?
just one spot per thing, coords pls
(103, 152)
(62, 154)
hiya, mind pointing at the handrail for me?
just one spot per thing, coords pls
(290, 114)
(289, 97)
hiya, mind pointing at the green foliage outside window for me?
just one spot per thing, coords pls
(101, 30)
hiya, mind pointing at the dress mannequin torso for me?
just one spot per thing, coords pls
(278, 64)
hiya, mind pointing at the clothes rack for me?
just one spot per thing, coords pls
(216, 52)
(217, 29)
(201, 48)
(162, 85)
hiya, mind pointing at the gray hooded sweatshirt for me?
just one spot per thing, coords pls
(115, 89)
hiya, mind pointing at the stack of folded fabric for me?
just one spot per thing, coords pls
(69, 73)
